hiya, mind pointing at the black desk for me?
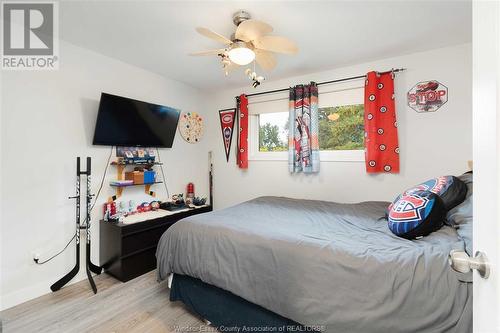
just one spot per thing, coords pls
(127, 251)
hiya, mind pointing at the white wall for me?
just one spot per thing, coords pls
(47, 119)
(431, 144)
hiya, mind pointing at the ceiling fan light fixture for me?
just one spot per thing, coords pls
(241, 54)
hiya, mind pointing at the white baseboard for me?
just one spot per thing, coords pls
(33, 291)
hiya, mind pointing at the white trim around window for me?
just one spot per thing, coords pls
(342, 156)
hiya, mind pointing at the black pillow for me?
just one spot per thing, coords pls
(422, 209)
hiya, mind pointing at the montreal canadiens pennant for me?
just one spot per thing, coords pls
(227, 125)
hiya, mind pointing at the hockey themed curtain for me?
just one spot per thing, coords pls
(303, 146)
(381, 132)
(242, 153)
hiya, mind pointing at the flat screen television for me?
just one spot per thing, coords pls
(128, 122)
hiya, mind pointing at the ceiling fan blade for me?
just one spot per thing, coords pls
(213, 35)
(276, 44)
(265, 59)
(252, 29)
(208, 52)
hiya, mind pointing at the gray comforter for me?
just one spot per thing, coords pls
(324, 263)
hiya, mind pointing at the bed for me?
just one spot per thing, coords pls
(327, 266)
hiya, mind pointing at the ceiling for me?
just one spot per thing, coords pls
(158, 35)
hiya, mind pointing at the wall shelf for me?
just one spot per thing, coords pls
(139, 163)
(127, 185)
(120, 175)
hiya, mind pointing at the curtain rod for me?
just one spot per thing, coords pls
(397, 70)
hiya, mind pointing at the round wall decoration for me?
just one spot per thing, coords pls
(191, 126)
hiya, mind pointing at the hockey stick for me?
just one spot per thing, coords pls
(94, 268)
(66, 278)
(90, 267)
(89, 274)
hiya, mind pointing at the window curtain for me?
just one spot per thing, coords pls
(303, 146)
(242, 153)
(381, 132)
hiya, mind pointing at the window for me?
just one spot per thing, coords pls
(273, 132)
(341, 126)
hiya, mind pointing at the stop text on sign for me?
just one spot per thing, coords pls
(427, 96)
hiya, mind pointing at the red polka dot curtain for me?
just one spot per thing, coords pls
(381, 132)
(242, 154)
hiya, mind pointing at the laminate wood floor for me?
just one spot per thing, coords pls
(139, 305)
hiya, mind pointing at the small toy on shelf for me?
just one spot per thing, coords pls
(176, 203)
(109, 210)
(189, 193)
(144, 207)
(197, 201)
(131, 206)
(135, 155)
(155, 205)
(121, 207)
(178, 199)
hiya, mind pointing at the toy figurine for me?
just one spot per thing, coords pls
(144, 207)
(178, 199)
(155, 205)
(197, 201)
(121, 207)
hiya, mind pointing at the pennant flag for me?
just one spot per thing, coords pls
(227, 125)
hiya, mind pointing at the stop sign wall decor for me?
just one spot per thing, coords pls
(427, 96)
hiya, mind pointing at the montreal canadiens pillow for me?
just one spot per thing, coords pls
(449, 190)
(416, 214)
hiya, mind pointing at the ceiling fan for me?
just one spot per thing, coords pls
(249, 42)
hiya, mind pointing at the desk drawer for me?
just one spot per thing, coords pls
(140, 240)
(138, 264)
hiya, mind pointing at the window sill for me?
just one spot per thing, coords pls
(325, 156)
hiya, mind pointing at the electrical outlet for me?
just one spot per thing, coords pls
(36, 256)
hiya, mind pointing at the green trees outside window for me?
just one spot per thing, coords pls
(340, 128)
